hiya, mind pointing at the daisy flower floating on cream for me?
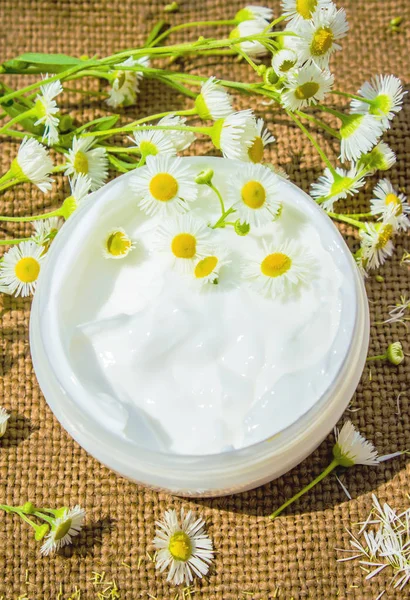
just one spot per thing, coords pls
(4, 417)
(385, 98)
(298, 11)
(66, 525)
(252, 190)
(183, 547)
(384, 199)
(151, 143)
(46, 108)
(20, 268)
(32, 163)
(83, 159)
(280, 269)
(164, 186)
(117, 244)
(185, 239)
(207, 268)
(213, 102)
(306, 86)
(125, 85)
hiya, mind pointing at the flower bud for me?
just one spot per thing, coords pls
(395, 353)
(241, 228)
(204, 177)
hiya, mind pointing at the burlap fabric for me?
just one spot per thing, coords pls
(295, 556)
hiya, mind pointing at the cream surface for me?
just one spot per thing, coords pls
(179, 368)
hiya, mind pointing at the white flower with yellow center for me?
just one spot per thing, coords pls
(262, 138)
(80, 186)
(335, 186)
(185, 239)
(20, 268)
(318, 36)
(45, 109)
(213, 102)
(180, 139)
(298, 11)
(64, 528)
(306, 86)
(376, 241)
(384, 198)
(33, 163)
(4, 417)
(164, 186)
(182, 546)
(380, 158)
(253, 193)
(83, 159)
(235, 135)
(117, 244)
(280, 269)
(207, 269)
(351, 448)
(253, 48)
(125, 85)
(153, 142)
(254, 12)
(359, 133)
(46, 231)
(386, 95)
(284, 60)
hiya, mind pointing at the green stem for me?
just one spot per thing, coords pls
(191, 24)
(218, 193)
(16, 119)
(54, 213)
(378, 357)
(346, 95)
(45, 518)
(221, 220)
(346, 219)
(132, 126)
(14, 241)
(325, 473)
(320, 123)
(361, 215)
(314, 142)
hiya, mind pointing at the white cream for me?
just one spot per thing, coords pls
(182, 369)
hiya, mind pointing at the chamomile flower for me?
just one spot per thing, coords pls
(254, 48)
(80, 187)
(182, 546)
(213, 102)
(125, 86)
(298, 11)
(207, 269)
(359, 133)
(306, 86)
(64, 528)
(235, 135)
(20, 268)
(165, 185)
(284, 60)
(83, 159)
(117, 244)
(4, 417)
(46, 231)
(335, 186)
(380, 158)
(45, 109)
(280, 269)
(262, 138)
(252, 191)
(153, 142)
(376, 241)
(386, 95)
(384, 198)
(33, 163)
(319, 36)
(185, 239)
(254, 12)
(351, 448)
(180, 139)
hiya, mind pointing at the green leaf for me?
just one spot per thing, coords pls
(49, 59)
(155, 31)
(34, 62)
(121, 165)
(104, 123)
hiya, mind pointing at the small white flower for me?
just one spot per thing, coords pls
(165, 185)
(46, 108)
(83, 159)
(125, 85)
(4, 417)
(45, 231)
(306, 86)
(254, 12)
(117, 244)
(153, 142)
(262, 138)
(33, 163)
(63, 530)
(376, 241)
(254, 48)
(359, 133)
(351, 448)
(213, 102)
(298, 11)
(380, 158)
(336, 186)
(185, 239)
(280, 269)
(234, 135)
(386, 95)
(80, 186)
(180, 139)
(319, 35)
(20, 268)
(252, 191)
(207, 269)
(182, 546)
(284, 60)
(384, 198)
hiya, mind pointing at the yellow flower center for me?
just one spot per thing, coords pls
(81, 163)
(40, 109)
(322, 41)
(253, 194)
(184, 245)
(393, 199)
(163, 187)
(381, 105)
(276, 264)
(307, 90)
(205, 267)
(287, 65)
(27, 269)
(148, 148)
(384, 236)
(305, 8)
(118, 244)
(62, 529)
(255, 152)
(180, 546)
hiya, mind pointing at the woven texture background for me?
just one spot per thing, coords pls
(293, 557)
